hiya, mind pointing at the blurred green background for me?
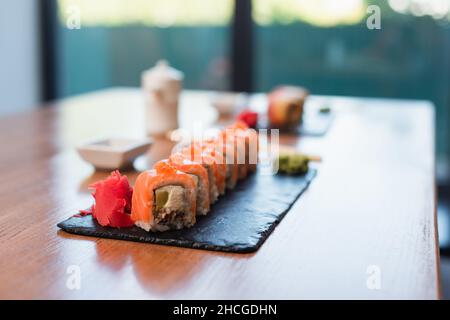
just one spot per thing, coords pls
(323, 45)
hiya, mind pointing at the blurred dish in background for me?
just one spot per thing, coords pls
(115, 153)
(228, 103)
(286, 107)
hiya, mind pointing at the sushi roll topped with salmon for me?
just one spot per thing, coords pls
(200, 174)
(186, 185)
(196, 153)
(164, 198)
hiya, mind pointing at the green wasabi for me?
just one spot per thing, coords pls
(293, 164)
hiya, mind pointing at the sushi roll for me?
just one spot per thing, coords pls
(209, 150)
(286, 105)
(195, 154)
(232, 173)
(182, 163)
(249, 137)
(164, 198)
(226, 149)
(238, 144)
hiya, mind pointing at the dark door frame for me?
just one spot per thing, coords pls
(242, 47)
(48, 36)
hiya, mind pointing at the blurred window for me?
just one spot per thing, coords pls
(159, 13)
(119, 39)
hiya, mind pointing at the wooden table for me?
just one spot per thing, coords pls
(371, 212)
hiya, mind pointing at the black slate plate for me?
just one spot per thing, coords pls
(239, 222)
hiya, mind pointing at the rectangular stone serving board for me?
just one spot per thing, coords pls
(240, 221)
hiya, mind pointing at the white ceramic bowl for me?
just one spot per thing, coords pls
(114, 153)
(227, 103)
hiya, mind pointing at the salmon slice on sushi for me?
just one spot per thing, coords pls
(164, 198)
(200, 174)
